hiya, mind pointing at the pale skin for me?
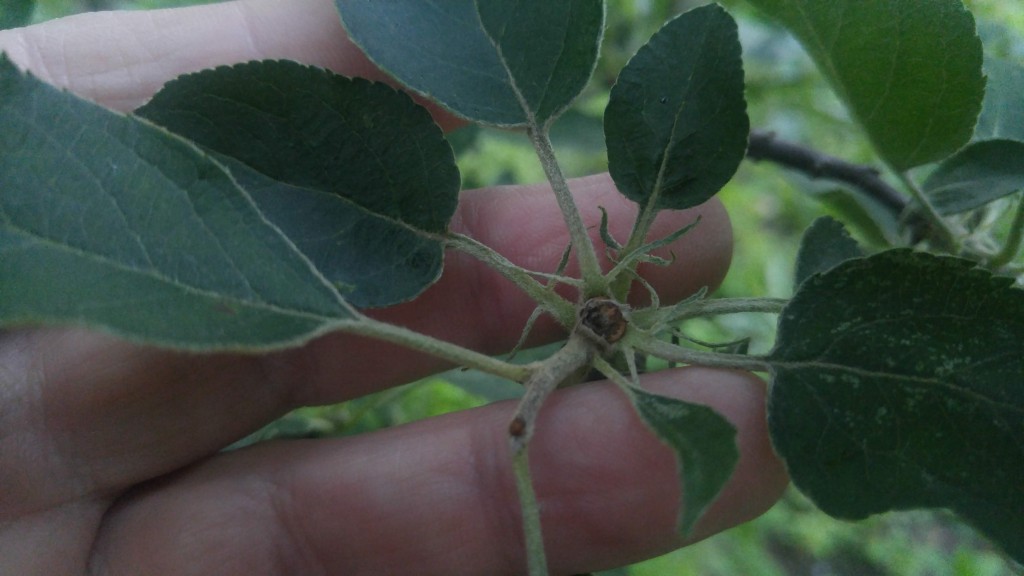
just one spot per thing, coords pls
(110, 450)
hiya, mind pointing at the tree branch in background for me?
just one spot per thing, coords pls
(765, 146)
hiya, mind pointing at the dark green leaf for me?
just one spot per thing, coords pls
(676, 123)
(507, 63)
(15, 13)
(113, 223)
(704, 443)
(824, 245)
(899, 383)
(354, 172)
(980, 173)
(1002, 111)
(875, 223)
(909, 71)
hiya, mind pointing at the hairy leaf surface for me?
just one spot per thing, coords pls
(909, 71)
(824, 245)
(354, 172)
(113, 223)
(676, 123)
(500, 62)
(899, 383)
(704, 443)
(980, 173)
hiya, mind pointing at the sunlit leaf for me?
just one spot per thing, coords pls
(910, 71)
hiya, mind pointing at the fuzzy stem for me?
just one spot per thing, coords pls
(536, 559)
(671, 352)
(946, 238)
(366, 326)
(546, 298)
(1013, 241)
(590, 270)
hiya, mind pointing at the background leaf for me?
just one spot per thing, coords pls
(354, 172)
(676, 122)
(899, 383)
(704, 443)
(15, 13)
(909, 71)
(510, 64)
(825, 244)
(113, 223)
(980, 173)
(1002, 111)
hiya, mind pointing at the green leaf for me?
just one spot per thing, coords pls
(898, 382)
(676, 123)
(354, 172)
(506, 63)
(825, 244)
(980, 173)
(1002, 111)
(704, 443)
(909, 71)
(15, 13)
(113, 223)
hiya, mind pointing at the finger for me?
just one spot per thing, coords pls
(439, 494)
(149, 411)
(119, 59)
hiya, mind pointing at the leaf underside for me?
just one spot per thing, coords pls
(909, 71)
(676, 123)
(978, 174)
(1002, 115)
(704, 443)
(898, 382)
(354, 172)
(504, 64)
(112, 223)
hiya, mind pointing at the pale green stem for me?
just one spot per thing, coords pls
(551, 302)
(948, 239)
(721, 306)
(536, 560)
(365, 326)
(715, 307)
(1013, 241)
(621, 283)
(667, 351)
(590, 270)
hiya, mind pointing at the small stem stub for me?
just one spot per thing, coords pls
(603, 320)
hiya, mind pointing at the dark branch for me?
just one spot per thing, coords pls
(765, 146)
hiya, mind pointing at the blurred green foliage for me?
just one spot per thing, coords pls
(770, 208)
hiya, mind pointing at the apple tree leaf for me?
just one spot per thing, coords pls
(704, 443)
(909, 71)
(898, 382)
(824, 245)
(676, 123)
(498, 62)
(110, 222)
(354, 172)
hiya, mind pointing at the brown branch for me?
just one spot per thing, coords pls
(765, 146)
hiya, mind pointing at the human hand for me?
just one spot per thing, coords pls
(110, 450)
